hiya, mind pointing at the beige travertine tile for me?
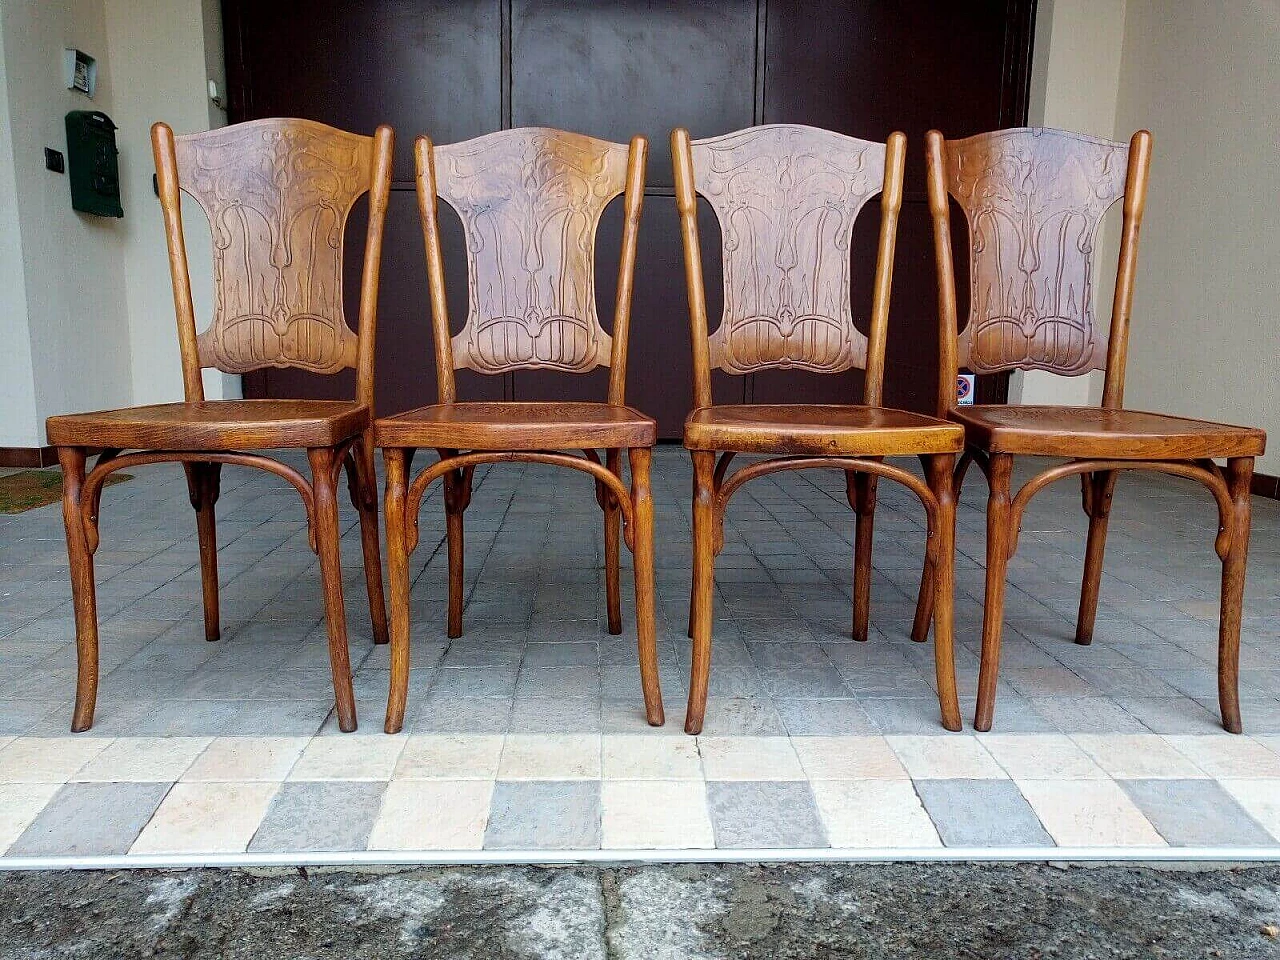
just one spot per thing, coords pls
(1224, 756)
(1089, 813)
(848, 758)
(550, 757)
(217, 817)
(624, 757)
(247, 758)
(946, 758)
(873, 813)
(348, 758)
(1042, 756)
(1137, 756)
(433, 815)
(1260, 799)
(749, 758)
(143, 760)
(655, 815)
(450, 757)
(47, 759)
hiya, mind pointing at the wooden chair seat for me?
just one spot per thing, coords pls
(214, 425)
(490, 425)
(1101, 432)
(819, 429)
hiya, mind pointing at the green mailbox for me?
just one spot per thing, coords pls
(92, 164)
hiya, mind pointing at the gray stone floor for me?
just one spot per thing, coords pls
(535, 657)
(648, 913)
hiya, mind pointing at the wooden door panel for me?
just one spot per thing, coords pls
(615, 69)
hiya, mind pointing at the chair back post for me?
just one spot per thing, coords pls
(166, 160)
(1135, 204)
(940, 210)
(633, 201)
(687, 204)
(379, 195)
(890, 205)
(424, 162)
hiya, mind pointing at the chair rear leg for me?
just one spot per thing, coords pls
(862, 497)
(362, 484)
(998, 541)
(939, 467)
(1239, 476)
(203, 485)
(398, 575)
(700, 603)
(612, 550)
(1100, 487)
(83, 590)
(324, 486)
(642, 557)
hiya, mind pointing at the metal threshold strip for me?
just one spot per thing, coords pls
(374, 858)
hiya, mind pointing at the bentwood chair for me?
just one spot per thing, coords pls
(786, 198)
(277, 194)
(1034, 200)
(530, 201)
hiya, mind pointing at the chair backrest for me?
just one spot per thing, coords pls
(530, 201)
(1034, 200)
(786, 197)
(277, 194)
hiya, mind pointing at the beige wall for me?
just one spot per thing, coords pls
(73, 270)
(1205, 341)
(86, 311)
(17, 386)
(158, 48)
(1075, 74)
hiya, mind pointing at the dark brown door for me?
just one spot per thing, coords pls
(614, 68)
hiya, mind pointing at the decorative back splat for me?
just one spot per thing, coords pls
(530, 201)
(277, 194)
(786, 198)
(1034, 199)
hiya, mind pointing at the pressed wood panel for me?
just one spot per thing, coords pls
(786, 198)
(530, 201)
(277, 194)
(1034, 200)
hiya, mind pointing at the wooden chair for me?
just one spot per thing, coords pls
(277, 194)
(1034, 200)
(786, 198)
(530, 201)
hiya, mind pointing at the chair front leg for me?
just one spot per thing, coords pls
(362, 483)
(999, 537)
(324, 487)
(1099, 488)
(612, 549)
(83, 591)
(398, 574)
(939, 468)
(1239, 478)
(704, 558)
(861, 489)
(457, 493)
(203, 486)
(642, 557)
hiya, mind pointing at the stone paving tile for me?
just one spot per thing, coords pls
(764, 814)
(433, 815)
(981, 813)
(1196, 813)
(319, 816)
(544, 815)
(655, 815)
(246, 758)
(206, 818)
(90, 819)
(1089, 813)
(874, 813)
(20, 803)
